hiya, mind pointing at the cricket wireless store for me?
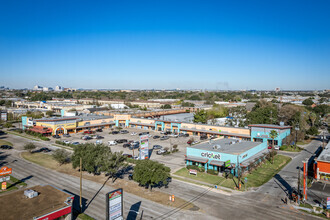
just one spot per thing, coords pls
(226, 155)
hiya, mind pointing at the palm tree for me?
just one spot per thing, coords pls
(273, 134)
(312, 117)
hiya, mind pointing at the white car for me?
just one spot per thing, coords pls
(112, 143)
(133, 133)
(66, 142)
(276, 147)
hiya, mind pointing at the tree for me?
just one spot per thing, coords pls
(50, 113)
(61, 156)
(149, 173)
(273, 134)
(29, 147)
(308, 102)
(166, 106)
(112, 163)
(8, 125)
(312, 117)
(200, 116)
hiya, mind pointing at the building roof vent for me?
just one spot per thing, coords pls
(30, 193)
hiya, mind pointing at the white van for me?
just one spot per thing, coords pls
(111, 143)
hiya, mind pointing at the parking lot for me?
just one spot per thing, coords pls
(174, 160)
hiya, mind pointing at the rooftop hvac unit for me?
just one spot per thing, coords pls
(281, 123)
(217, 146)
(30, 193)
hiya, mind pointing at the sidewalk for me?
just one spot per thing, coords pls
(204, 184)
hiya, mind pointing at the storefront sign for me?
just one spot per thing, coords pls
(191, 171)
(5, 178)
(211, 155)
(4, 186)
(5, 171)
(227, 163)
(114, 202)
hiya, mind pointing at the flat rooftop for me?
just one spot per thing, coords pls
(228, 146)
(15, 205)
(325, 154)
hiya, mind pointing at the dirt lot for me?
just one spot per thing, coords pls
(174, 161)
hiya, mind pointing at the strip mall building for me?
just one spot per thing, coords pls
(75, 124)
(322, 165)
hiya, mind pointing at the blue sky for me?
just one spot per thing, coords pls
(165, 44)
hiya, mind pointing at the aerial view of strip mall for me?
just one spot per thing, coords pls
(152, 110)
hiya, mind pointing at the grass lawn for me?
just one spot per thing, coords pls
(13, 184)
(47, 161)
(291, 148)
(83, 216)
(23, 135)
(258, 177)
(2, 142)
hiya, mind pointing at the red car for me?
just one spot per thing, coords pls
(88, 132)
(269, 147)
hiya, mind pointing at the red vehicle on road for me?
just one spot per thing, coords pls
(88, 132)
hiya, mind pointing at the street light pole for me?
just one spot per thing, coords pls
(80, 185)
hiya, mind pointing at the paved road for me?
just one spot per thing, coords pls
(251, 205)
(287, 178)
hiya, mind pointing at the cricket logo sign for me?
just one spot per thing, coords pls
(114, 201)
(5, 171)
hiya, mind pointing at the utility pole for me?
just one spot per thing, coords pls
(298, 185)
(80, 184)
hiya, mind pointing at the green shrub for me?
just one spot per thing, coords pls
(44, 138)
(194, 167)
(213, 172)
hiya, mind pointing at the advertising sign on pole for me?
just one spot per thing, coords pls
(328, 203)
(5, 171)
(114, 201)
(227, 163)
(144, 147)
(4, 186)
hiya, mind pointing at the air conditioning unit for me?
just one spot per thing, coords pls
(217, 146)
(30, 193)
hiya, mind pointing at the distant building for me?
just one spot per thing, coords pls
(38, 88)
(46, 89)
(277, 89)
(58, 88)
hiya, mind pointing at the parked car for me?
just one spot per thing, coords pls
(88, 132)
(161, 151)
(189, 142)
(98, 142)
(276, 147)
(56, 136)
(164, 138)
(75, 143)
(213, 136)
(45, 150)
(111, 143)
(120, 141)
(128, 155)
(66, 142)
(66, 135)
(126, 145)
(99, 130)
(98, 137)
(134, 146)
(270, 147)
(6, 147)
(195, 142)
(157, 147)
(124, 132)
(133, 133)
(203, 137)
(130, 176)
(156, 137)
(143, 133)
(86, 137)
(115, 132)
(174, 135)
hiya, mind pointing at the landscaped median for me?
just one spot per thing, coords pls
(132, 187)
(256, 178)
(2, 142)
(291, 148)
